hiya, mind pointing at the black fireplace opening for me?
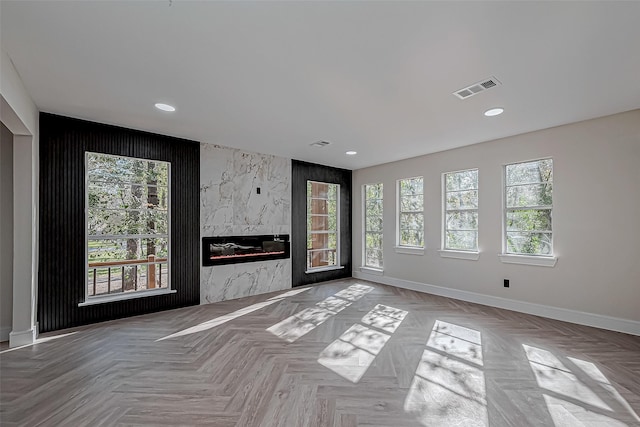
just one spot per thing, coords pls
(236, 249)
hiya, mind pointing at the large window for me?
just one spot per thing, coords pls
(127, 211)
(373, 225)
(528, 208)
(460, 210)
(411, 212)
(323, 225)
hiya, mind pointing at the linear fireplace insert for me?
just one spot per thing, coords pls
(235, 249)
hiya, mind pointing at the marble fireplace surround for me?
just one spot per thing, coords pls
(230, 205)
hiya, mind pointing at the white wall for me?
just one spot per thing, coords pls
(20, 114)
(6, 232)
(596, 222)
(230, 206)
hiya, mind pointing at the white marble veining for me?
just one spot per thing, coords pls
(230, 205)
(225, 282)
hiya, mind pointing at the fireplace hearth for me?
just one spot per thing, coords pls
(222, 250)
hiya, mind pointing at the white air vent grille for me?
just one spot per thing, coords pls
(320, 144)
(477, 88)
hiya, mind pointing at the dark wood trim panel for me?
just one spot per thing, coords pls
(301, 172)
(61, 276)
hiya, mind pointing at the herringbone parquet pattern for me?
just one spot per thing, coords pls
(344, 353)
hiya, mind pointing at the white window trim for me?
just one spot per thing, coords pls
(100, 299)
(536, 260)
(525, 259)
(364, 228)
(372, 270)
(469, 255)
(338, 266)
(324, 268)
(406, 249)
(450, 253)
(409, 250)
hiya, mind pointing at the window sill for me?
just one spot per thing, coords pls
(540, 261)
(372, 270)
(470, 255)
(321, 269)
(129, 295)
(409, 250)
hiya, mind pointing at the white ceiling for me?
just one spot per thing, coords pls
(376, 77)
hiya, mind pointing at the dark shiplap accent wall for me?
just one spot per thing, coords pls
(61, 278)
(301, 172)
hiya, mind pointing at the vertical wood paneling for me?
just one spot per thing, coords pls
(301, 172)
(61, 278)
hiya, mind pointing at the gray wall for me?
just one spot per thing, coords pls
(6, 232)
(595, 218)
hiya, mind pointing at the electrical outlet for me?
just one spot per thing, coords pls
(506, 283)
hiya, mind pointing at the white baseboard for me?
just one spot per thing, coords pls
(20, 338)
(580, 317)
(4, 334)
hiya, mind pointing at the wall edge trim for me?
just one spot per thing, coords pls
(616, 324)
(20, 338)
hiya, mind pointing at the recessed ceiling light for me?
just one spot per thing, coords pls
(165, 107)
(494, 112)
(351, 153)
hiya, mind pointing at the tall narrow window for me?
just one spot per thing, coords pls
(127, 211)
(461, 210)
(373, 225)
(323, 225)
(411, 212)
(528, 208)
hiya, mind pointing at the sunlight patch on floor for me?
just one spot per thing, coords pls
(449, 385)
(234, 315)
(355, 350)
(40, 341)
(575, 397)
(457, 341)
(551, 374)
(303, 322)
(567, 414)
(592, 371)
(351, 355)
(354, 292)
(385, 318)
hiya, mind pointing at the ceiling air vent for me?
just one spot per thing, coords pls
(320, 144)
(477, 88)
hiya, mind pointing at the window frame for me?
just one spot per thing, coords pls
(105, 298)
(464, 253)
(338, 265)
(403, 248)
(364, 227)
(525, 258)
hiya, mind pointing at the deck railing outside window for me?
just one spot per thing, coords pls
(128, 221)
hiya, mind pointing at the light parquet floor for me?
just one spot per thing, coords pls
(344, 353)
